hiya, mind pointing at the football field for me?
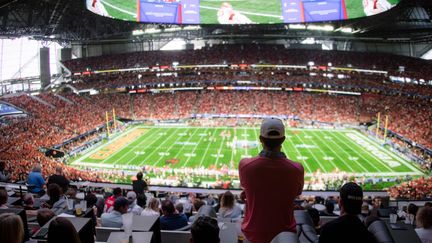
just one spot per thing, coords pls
(322, 150)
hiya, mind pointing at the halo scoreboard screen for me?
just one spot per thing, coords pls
(238, 11)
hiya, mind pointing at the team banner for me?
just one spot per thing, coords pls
(238, 11)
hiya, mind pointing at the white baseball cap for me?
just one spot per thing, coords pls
(272, 128)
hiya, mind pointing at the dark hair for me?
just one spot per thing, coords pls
(54, 192)
(2, 165)
(272, 143)
(227, 200)
(140, 175)
(91, 199)
(141, 200)
(120, 202)
(117, 191)
(168, 206)
(3, 196)
(44, 215)
(205, 230)
(329, 207)
(314, 214)
(62, 230)
(197, 204)
(428, 204)
(412, 208)
(179, 207)
(351, 195)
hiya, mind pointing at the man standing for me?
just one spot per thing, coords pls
(59, 179)
(348, 227)
(270, 175)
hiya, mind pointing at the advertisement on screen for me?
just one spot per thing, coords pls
(237, 12)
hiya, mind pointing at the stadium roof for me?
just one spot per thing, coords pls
(68, 21)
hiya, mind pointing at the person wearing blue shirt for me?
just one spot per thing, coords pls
(114, 218)
(170, 219)
(36, 179)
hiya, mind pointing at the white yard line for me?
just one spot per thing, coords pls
(138, 146)
(220, 148)
(121, 149)
(298, 153)
(258, 141)
(195, 147)
(157, 149)
(172, 145)
(366, 152)
(342, 160)
(391, 154)
(316, 160)
(323, 152)
(207, 149)
(91, 152)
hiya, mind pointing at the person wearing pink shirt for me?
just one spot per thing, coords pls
(270, 175)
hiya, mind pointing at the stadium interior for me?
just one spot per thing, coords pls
(101, 98)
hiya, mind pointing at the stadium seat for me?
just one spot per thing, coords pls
(380, 231)
(305, 227)
(103, 233)
(286, 237)
(174, 236)
(229, 232)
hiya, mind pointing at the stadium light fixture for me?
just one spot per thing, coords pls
(320, 27)
(297, 26)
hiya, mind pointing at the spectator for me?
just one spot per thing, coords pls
(59, 179)
(131, 197)
(140, 204)
(43, 216)
(5, 176)
(58, 201)
(62, 230)
(424, 222)
(3, 199)
(152, 209)
(412, 213)
(11, 228)
(28, 202)
(348, 227)
(139, 185)
(329, 208)
(228, 209)
(205, 230)
(109, 202)
(270, 174)
(179, 208)
(170, 220)
(36, 179)
(114, 218)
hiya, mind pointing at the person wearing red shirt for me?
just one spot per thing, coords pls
(270, 175)
(109, 202)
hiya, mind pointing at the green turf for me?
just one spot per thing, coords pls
(316, 149)
(355, 8)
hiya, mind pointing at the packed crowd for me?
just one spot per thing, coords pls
(414, 189)
(256, 54)
(289, 78)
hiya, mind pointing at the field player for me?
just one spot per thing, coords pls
(372, 7)
(270, 175)
(227, 15)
